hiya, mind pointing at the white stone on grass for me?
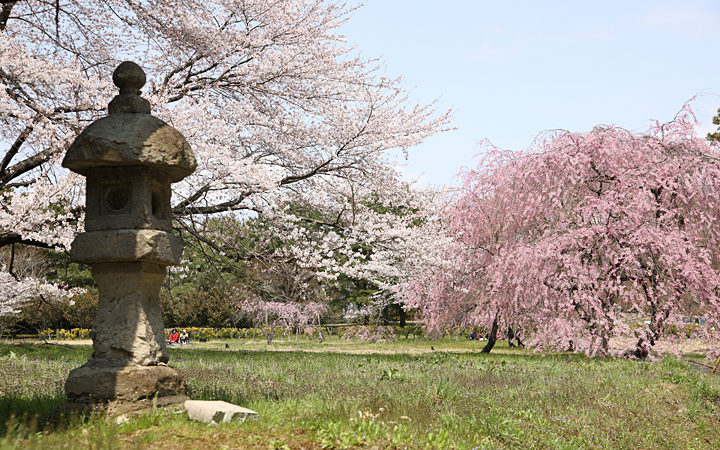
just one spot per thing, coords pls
(215, 411)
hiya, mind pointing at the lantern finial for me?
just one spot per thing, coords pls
(129, 77)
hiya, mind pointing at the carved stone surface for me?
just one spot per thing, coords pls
(152, 246)
(130, 78)
(128, 326)
(127, 197)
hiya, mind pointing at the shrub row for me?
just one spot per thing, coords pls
(62, 334)
(196, 333)
(307, 333)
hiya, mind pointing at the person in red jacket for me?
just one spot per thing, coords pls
(174, 337)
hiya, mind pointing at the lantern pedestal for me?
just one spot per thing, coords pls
(128, 363)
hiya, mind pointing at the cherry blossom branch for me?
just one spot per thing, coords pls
(15, 147)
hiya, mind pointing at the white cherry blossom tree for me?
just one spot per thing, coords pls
(277, 107)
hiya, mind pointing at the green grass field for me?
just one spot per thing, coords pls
(341, 395)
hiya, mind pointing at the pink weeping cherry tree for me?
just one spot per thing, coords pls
(583, 238)
(288, 315)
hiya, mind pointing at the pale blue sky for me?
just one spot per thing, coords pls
(512, 69)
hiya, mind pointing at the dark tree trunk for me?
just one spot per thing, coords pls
(319, 329)
(7, 6)
(403, 316)
(492, 336)
(658, 317)
(641, 349)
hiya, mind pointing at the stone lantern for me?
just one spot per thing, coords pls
(129, 159)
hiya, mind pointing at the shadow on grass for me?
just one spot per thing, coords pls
(22, 416)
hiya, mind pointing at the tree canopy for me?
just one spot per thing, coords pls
(278, 109)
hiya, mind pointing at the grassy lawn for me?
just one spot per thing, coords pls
(401, 395)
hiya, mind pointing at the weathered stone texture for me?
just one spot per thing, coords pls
(131, 139)
(128, 197)
(129, 158)
(128, 326)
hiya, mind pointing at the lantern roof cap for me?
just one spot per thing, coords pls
(129, 135)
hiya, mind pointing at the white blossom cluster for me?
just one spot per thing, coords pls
(16, 293)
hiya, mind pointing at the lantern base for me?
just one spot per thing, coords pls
(129, 383)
